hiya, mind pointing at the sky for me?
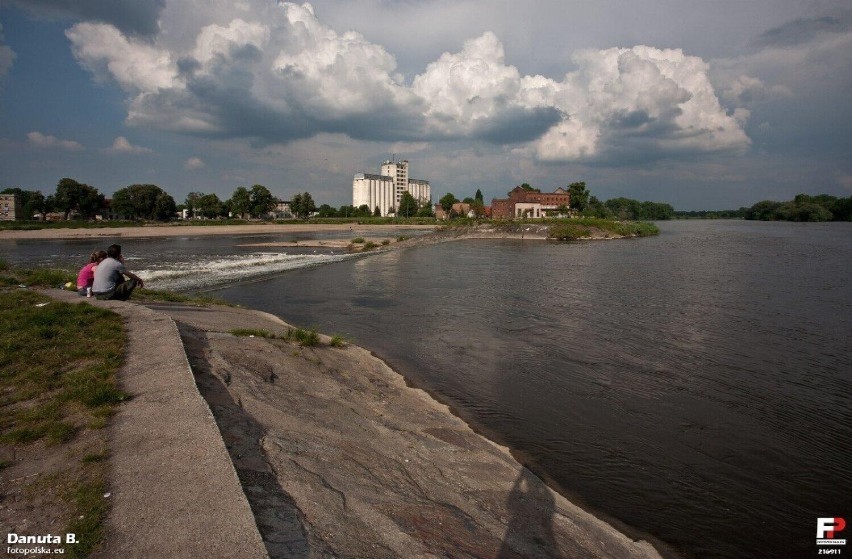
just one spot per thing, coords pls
(703, 104)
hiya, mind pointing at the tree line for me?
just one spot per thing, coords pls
(150, 202)
(803, 207)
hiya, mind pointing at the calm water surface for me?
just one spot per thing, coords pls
(693, 385)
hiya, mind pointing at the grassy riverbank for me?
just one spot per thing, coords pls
(575, 229)
(58, 387)
(554, 229)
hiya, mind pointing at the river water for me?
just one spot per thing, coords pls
(694, 386)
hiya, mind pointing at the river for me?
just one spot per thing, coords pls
(694, 385)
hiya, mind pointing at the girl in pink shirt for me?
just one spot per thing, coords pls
(87, 274)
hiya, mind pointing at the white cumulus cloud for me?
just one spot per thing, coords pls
(275, 73)
(122, 146)
(134, 64)
(193, 163)
(52, 142)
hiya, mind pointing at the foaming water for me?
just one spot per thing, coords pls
(693, 385)
(182, 263)
(201, 274)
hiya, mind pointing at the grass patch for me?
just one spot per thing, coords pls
(337, 341)
(572, 229)
(358, 241)
(38, 277)
(57, 360)
(569, 232)
(253, 333)
(297, 335)
(369, 245)
(57, 380)
(159, 296)
(87, 496)
(302, 337)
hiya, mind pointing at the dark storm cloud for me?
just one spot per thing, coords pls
(804, 30)
(131, 16)
(518, 125)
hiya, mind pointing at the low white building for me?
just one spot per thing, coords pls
(385, 191)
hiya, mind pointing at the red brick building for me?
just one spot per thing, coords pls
(524, 202)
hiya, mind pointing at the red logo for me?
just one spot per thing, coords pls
(827, 529)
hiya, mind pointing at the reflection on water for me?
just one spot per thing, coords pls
(681, 384)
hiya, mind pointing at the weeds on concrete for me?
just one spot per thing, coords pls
(304, 338)
(298, 335)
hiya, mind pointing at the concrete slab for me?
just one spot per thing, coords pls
(174, 488)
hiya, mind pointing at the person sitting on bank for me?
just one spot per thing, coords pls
(110, 275)
(86, 277)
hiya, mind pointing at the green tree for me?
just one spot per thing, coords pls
(478, 197)
(407, 205)
(308, 204)
(596, 208)
(363, 211)
(296, 205)
(164, 207)
(209, 206)
(240, 202)
(302, 205)
(447, 201)
(426, 210)
(138, 201)
(262, 201)
(478, 208)
(190, 202)
(377, 212)
(71, 195)
(327, 211)
(765, 210)
(34, 204)
(579, 195)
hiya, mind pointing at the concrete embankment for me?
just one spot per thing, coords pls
(336, 455)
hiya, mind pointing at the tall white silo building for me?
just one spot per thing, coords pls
(385, 191)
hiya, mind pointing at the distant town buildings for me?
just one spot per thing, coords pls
(529, 203)
(10, 207)
(384, 191)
